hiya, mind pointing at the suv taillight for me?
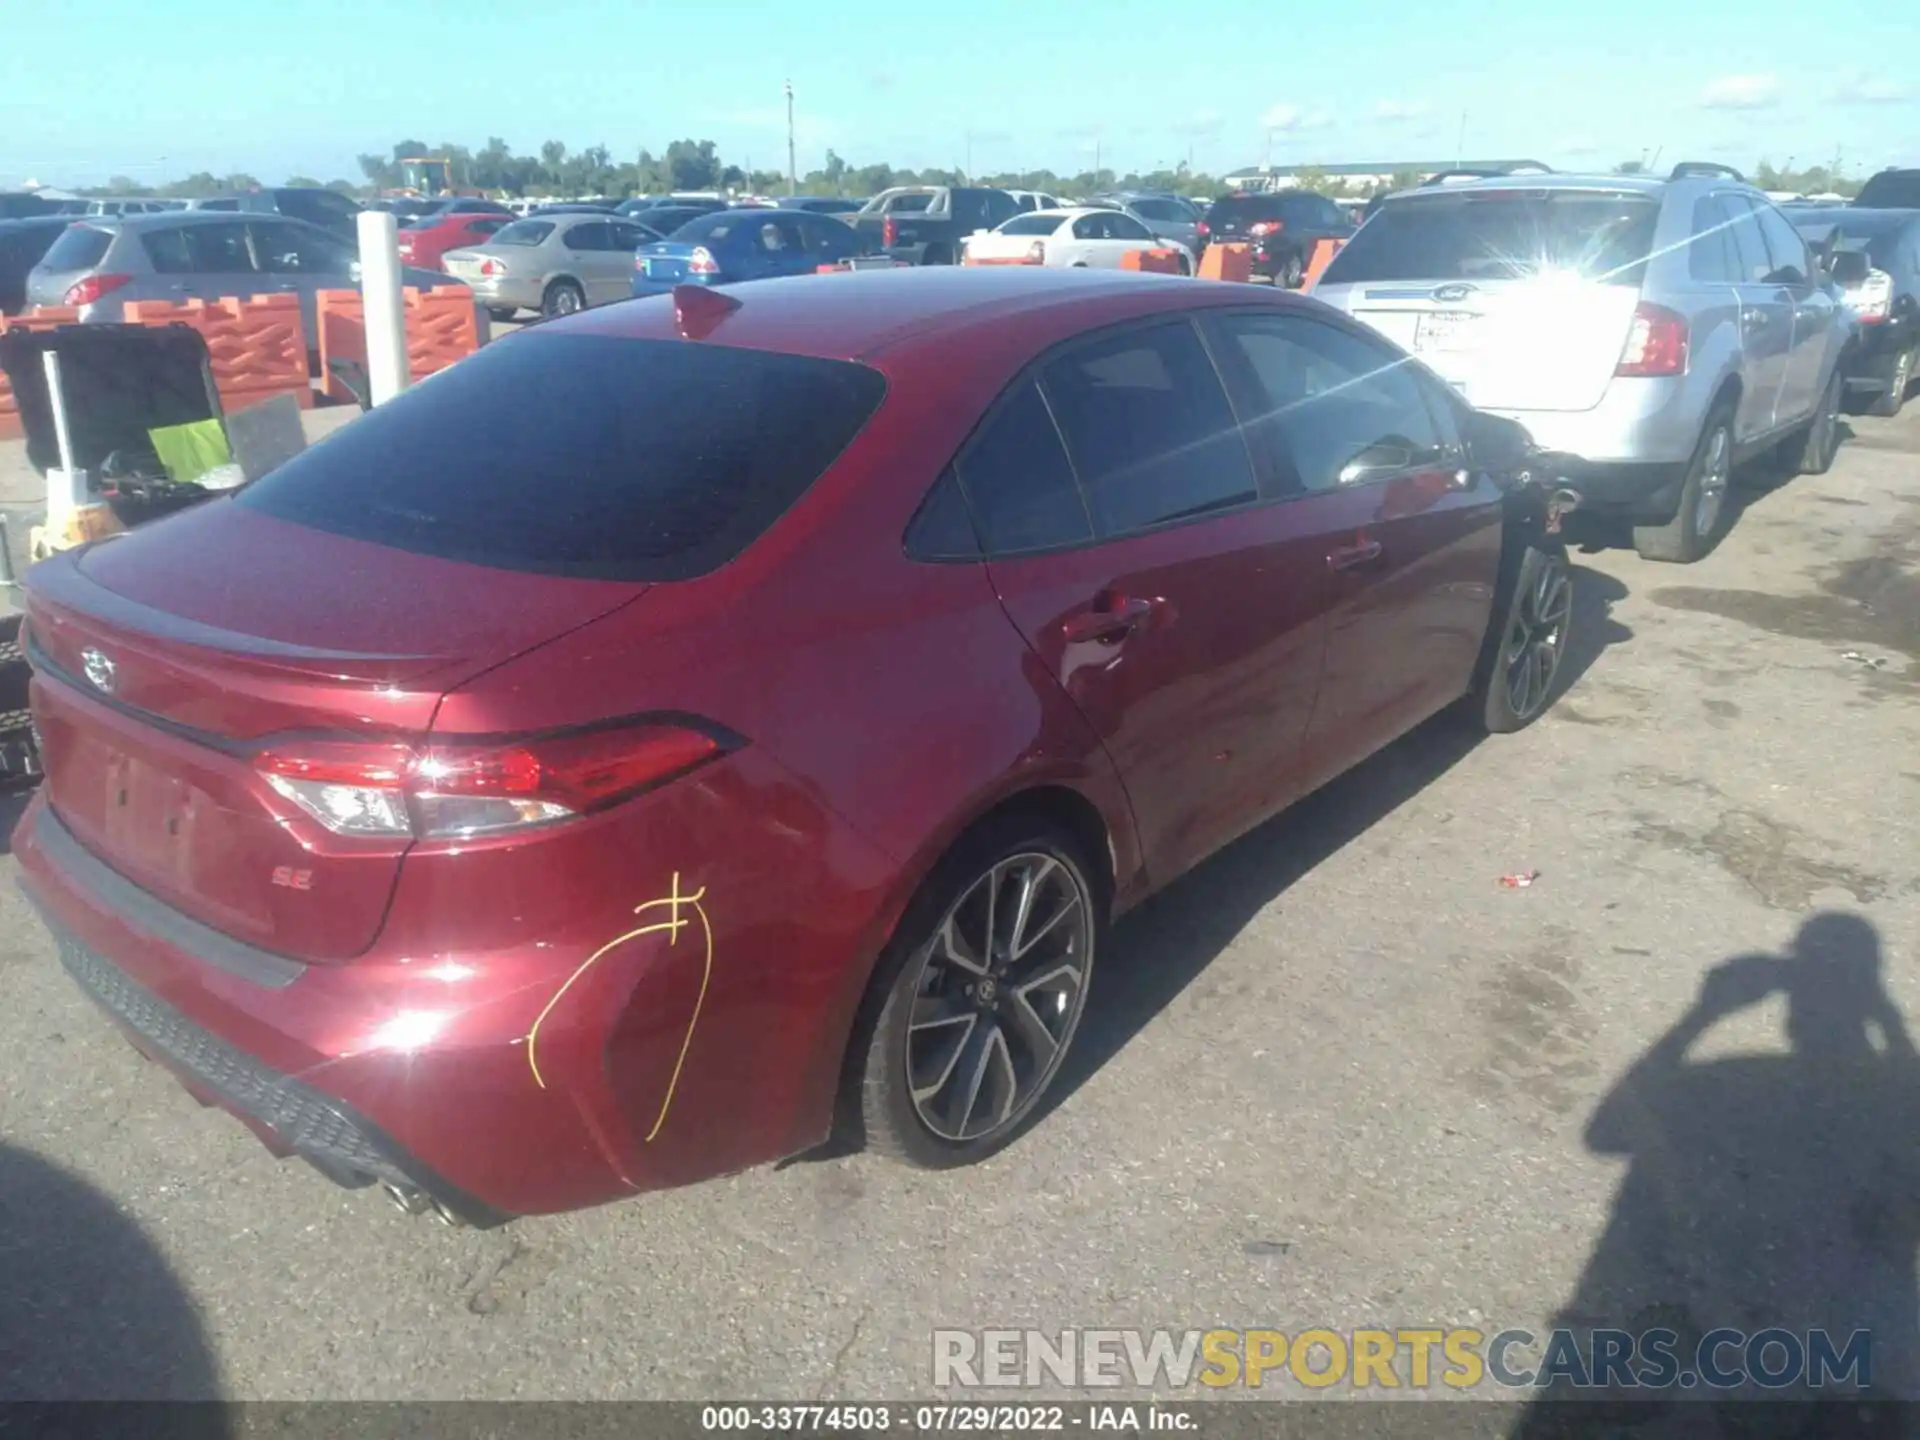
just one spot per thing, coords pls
(1202, 229)
(1656, 343)
(1872, 302)
(85, 292)
(1266, 227)
(450, 789)
(889, 232)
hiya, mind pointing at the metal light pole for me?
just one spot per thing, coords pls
(793, 170)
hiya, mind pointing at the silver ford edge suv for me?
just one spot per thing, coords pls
(1650, 334)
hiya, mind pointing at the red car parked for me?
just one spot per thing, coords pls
(677, 727)
(436, 235)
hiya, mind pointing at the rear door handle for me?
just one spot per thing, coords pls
(1352, 557)
(1108, 622)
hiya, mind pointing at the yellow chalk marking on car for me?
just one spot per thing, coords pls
(673, 901)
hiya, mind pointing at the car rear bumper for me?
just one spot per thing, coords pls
(1639, 425)
(504, 291)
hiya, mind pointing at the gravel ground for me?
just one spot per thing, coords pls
(1338, 1076)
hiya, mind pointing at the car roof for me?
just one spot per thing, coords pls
(1640, 184)
(865, 313)
(154, 220)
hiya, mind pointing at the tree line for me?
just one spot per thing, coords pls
(698, 165)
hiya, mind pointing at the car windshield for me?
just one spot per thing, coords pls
(673, 459)
(522, 232)
(1502, 235)
(1031, 225)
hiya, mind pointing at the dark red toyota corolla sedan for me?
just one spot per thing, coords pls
(678, 730)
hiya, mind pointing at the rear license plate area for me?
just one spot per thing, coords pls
(1446, 330)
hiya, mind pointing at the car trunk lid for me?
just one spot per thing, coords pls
(165, 670)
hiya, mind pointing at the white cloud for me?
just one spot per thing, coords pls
(1281, 117)
(1396, 111)
(1870, 90)
(1742, 92)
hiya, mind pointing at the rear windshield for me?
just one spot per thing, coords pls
(673, 457)
(522, 232)
(1502, 235)
(1031, 225)
(910, 202)
(1243, 207)
(1898, 191)
(80, 247)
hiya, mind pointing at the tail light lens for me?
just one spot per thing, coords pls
(890, 233)
(1202, 229)
(1037, 253)
(1872, 302)
(701, 262)
(492, 267)
(1266, 227)
(85, 292)
(454, 790)
(1656, 343)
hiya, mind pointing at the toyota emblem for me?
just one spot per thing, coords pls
(101, 672)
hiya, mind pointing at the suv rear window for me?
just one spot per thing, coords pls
(1242, 209)
(80, 247)
(1502, 235)
(1891, 190)
(672, 460)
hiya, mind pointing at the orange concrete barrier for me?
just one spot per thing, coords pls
(1227, 262)
(41, 317)
(441, 328)
(1324, 249)
(1152, 262)
(258, 347)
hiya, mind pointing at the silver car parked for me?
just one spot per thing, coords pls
(555, 264)
(98, 264)
(1651, 334)
(1167, 216)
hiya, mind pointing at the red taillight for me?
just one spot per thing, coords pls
(1037, 253)
(889, 233)
(491, 266)
(1656, 343)
(701, 262)
(1202, 229)
(85, 292)
(453, 790)
(1266, 227)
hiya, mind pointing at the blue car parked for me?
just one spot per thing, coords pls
(733, 245)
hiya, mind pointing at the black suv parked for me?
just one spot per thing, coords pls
(1891, 190)
(1874, 258)
(1280, 225)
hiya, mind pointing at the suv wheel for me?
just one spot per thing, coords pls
(980, 995)
(1699, 521)
(1292, 272)
(1899, 377)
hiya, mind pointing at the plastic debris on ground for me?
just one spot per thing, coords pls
(1519, 880)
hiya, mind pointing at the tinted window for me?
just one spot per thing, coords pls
(1784, 245)
(1330, 400)
(1125, 227)
(592, 236)
(219, 205)
(1164, 210)
(943, 530)
(523, 232)
(80, 247)
(1031, 225)
(1711, 254)
(1501, 235)
(1755, 265)
(674, 457)
(483, 225)
(292, 250)
(218, 249)
(1243, 210)
(1892, 190)
(1019, 481)
(628, 236)
(1149, 428)
(1090, 227)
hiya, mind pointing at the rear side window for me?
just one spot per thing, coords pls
(1755, 265)
(1147, 422)
(80, 247)
(673, 459)
(1502, 235)
(1711, 254)
(1019, 480)
(1031, 225)
(523, 232)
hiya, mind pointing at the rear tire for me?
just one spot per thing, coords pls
(1900, 376)
(1811, 451)
(1520, 669)
(501, 314)
(563, 297)
(937, 255)
(1292, 272)
(928, 1033)
(1701, 517)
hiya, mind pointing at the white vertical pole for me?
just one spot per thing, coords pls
(57, 399)
(381, 304)
(66, 487)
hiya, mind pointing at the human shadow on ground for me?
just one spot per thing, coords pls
(1764, 1191)
(91, 1311)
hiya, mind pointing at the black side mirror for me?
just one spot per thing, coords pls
(1495, 444)
(1849, 269)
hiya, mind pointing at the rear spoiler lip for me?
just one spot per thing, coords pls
(60, 582)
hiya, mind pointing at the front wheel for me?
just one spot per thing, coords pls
(1520, 671)
(982, 994)
(1899, 377)
(1186, 265)
(1292, 272)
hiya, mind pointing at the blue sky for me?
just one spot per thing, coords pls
(123, 87)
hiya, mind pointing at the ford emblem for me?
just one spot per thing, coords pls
(101, 672)
(1453, 292)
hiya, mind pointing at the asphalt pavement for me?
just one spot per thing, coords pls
(1338, 1076)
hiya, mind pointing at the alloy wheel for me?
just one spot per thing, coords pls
(1902, 374)
(1537, 639)
(1715, 475)
(565, 301)
(1001, 987)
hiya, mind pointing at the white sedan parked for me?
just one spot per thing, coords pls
(1069, 238)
